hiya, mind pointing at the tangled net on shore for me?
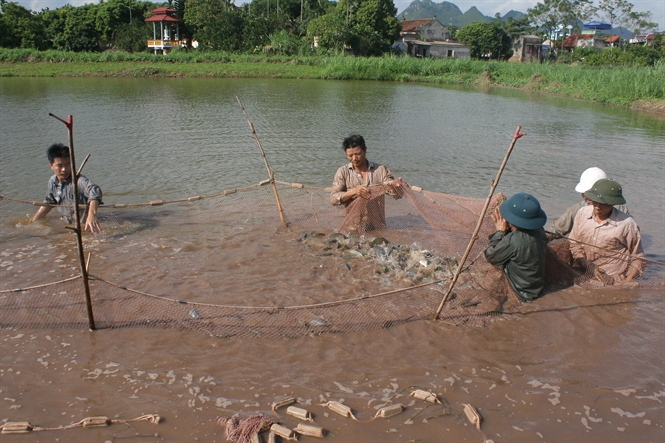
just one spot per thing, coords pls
(242, 431)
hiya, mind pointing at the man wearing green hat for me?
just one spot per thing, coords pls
(519, 244)
(604, 238)
(564, 224)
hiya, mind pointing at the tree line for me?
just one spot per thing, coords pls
(367, 27)
(362, 27)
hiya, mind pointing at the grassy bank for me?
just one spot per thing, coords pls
(616, 85)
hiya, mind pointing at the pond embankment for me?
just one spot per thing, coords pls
(636, 87)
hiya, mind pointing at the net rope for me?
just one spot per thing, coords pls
(224, 265)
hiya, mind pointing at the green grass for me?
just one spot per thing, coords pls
(619, 85)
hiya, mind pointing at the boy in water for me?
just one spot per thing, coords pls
(61, 189)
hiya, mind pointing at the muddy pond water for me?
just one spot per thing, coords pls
(576, 365)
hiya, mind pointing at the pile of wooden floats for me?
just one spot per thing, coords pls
(311, 430)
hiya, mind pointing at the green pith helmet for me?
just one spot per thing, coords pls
(607, 192)
(523, 210)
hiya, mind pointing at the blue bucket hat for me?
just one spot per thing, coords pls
(523, 211)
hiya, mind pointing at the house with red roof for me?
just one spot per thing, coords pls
(427, 37)
(642, 39)
(426, 29)
(611, 42)
(593, 41)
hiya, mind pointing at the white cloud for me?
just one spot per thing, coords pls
(487, 7)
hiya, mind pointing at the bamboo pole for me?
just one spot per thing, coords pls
(85, 160)
(271, 175)
(474, 237)
(74, 175)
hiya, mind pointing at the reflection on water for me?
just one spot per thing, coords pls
(576, 365)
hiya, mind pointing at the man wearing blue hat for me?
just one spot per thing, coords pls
(519, 244)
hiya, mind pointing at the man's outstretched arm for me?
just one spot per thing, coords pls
(91, 222)
(41, 212)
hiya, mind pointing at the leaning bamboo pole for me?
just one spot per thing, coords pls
(85, 160)
(69, 123)
(474, 237)
(271, 175)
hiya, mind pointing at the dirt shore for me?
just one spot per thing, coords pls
(651, 106)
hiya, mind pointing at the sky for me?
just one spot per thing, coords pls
(487, 7)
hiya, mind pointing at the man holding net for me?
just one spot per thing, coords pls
(564, 224)
(361, 184)
(606, 242)
(61, 190)
(519, 244)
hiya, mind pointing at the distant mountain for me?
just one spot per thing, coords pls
(512, 14)
(623, 33)
(474, 15)
(448, 13)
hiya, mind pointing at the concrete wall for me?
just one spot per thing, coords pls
(443, 50)
(526, 48)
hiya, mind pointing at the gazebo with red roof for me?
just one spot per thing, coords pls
(168, 29)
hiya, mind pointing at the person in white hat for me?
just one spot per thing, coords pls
(564, 224)
(606, 242)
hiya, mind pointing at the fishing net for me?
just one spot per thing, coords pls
(227, 265)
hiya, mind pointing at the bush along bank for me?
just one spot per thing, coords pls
(618, 84)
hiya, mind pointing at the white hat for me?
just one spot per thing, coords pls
(588, 178)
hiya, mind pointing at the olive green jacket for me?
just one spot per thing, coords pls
(522, 254)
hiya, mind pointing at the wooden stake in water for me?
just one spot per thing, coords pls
(85, 160)
(74, 175)
(271, 175)
(474, 237)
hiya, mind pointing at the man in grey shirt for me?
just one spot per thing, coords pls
(61, 190)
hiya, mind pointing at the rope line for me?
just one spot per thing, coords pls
(4, 291)
(180, 200)
(88, 422)
(150, 203)
(267, 308)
